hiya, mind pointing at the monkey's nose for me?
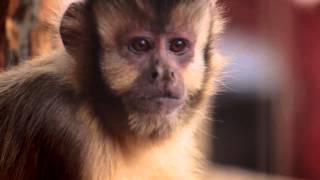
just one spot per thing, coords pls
(163, 75)
(156, 74)
(169, 75)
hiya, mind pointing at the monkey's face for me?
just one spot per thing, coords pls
(156, 62)
(154, 66)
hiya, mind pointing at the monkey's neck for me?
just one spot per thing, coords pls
(173, 158)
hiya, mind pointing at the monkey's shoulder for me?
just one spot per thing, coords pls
(31, 87)
(37, 125)
(34, 94)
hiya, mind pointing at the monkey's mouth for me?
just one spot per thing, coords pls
(163, 104)
(167, 96)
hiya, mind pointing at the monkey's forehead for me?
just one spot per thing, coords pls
(155, 13)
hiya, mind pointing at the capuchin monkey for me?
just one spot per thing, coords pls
(124, 99)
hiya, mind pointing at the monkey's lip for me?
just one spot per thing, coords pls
(160, 104)
(163, 97)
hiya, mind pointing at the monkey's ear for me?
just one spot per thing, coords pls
(74, 28)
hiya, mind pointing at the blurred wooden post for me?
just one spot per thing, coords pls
(27, 28)
(21, 19)
(44, 35)
(3, 13)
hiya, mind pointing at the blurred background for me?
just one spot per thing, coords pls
(267, 116)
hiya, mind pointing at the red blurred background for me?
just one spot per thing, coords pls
(272, 88)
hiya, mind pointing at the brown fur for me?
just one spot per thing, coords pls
(68, 116)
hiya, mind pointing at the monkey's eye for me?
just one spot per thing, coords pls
(179, 45)
(139, 45)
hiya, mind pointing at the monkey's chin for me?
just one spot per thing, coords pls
(153, 125)
(155, 117)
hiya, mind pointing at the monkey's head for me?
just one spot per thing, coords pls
(155, 56)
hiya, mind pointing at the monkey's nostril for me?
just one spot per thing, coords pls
(172, 74)
(154, 75)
